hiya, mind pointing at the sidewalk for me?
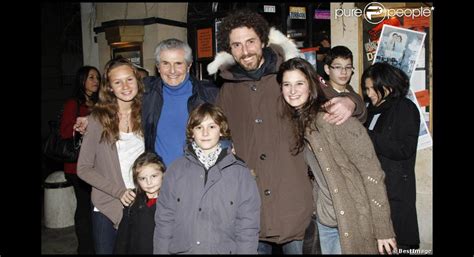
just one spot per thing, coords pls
(57, 240)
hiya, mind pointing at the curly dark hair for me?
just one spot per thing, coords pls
(242, 18)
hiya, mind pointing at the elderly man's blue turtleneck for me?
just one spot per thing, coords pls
(171, 129)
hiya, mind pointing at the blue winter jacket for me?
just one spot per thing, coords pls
(221, 216)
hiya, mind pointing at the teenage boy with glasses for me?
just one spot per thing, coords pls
(339, 70)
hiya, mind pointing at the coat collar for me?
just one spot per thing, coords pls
(387, 104)
(226, 158)
(283, 46)
(269, 66)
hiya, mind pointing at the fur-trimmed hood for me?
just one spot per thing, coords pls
(224, 60)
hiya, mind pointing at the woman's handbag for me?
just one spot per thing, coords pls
(59, 149)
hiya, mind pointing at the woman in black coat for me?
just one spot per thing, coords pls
(393, 124)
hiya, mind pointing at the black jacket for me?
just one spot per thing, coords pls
(395, 139)
(135, 232)
(203, 91)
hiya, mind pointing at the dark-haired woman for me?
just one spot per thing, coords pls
(393, 124)
(87, 83)
(352, 211)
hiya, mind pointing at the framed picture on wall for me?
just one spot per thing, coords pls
(370, 38)
(400, 47)
(133, 52)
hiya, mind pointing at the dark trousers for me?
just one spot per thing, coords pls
(83, 214)
(104, 233)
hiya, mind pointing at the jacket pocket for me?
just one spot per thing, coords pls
(396, 184)
(365, 226)
(180, 242)
(226, 248)
(178, 245)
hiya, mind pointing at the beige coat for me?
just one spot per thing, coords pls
(99, 166)
(356, 183)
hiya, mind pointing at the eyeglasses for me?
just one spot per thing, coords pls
(340, 68)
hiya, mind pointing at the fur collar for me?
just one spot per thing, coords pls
(224, 60)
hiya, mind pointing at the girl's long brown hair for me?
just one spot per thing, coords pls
(302, 118)
(106, 110)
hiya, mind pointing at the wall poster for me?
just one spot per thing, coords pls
(399, 47)
(420, 82)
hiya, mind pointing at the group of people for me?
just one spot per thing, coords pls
(168, 177)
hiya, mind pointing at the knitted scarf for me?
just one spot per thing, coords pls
(207, 160)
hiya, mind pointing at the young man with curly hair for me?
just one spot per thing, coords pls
(262, 136)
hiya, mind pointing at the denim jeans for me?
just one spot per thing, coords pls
(311, 244)
(292, 247)
(104, 233)
(329, 238)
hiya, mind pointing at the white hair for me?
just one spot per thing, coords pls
(174, 43)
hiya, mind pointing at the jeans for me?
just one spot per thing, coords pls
(104, 233)
(329, 238)
(311, 244)
(83, 214)
(292, 247)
